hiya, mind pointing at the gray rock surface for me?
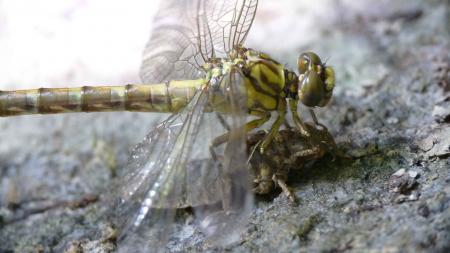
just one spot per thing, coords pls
(392, 60)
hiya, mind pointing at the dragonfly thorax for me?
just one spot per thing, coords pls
(266, 81)
(217, 68)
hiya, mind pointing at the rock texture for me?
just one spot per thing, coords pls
(390, 115)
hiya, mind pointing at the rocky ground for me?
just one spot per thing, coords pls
(390, 114)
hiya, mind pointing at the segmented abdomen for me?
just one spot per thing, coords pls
(168, 97)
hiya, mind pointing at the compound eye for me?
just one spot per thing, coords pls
(314, 58)
(311, 90)
(316, 81)
(309, 61)
(304, 64)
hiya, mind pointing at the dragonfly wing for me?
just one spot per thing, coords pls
(173, 168)
(223, 223)
(152, 187)
(224, 25)
(188, 33)
(172, 52)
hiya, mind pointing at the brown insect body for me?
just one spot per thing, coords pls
(290, 150)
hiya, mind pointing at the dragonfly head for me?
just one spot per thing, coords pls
(316, 80)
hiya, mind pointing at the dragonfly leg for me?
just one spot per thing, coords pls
(275, 127)
(223, 122)
(316, 122)
(249, 126)
(297, 120)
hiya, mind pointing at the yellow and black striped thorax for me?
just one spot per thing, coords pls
(266, 81)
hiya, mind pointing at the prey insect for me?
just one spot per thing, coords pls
(290, 150)
(196, 67)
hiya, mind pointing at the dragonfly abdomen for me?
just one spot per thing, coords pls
(168, 97)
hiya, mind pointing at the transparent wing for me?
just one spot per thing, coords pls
(224, 25)
(223, 223)
(171, 53)
(173, 168)
(153, 182)
(188, 33)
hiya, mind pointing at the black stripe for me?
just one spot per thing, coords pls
(264, 80)
(126, 101)
(274, 86)
(84, 105)
(257, 87)
(169, 99)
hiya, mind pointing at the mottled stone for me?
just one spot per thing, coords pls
(390, 62)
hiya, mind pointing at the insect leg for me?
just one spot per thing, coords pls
(223, 122)
(295, 115)
(249, 126)
(314, 118)
(282, 184)
(275, 127)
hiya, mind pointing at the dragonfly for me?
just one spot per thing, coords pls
(196, 67)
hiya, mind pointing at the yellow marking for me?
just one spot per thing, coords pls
(257, 72)
(272, 77)
(255, 98)
(330, 78)
(267, 90)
